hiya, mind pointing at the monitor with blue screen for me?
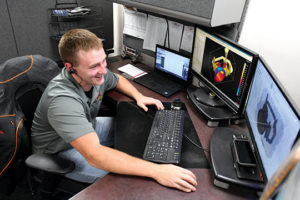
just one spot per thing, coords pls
(170, 74)
(172, 63)
(272, 120)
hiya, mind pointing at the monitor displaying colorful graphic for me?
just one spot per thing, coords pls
(225, 67)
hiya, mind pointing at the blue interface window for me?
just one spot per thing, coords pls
(172, 63)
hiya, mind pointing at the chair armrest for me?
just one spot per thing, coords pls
(50, 163)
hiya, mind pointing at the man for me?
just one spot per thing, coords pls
(65, 120)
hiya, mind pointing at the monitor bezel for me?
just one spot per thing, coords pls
(227, 100)
(289, 101)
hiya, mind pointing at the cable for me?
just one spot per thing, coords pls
(167, 34)
(13, 31)
(78, 77)
(204, 149)
(181, 35)
(231, 118)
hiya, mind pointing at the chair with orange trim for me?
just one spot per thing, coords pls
(22, 82)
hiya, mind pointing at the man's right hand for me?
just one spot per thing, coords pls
(175, 177)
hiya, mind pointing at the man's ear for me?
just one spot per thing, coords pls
(68, 66)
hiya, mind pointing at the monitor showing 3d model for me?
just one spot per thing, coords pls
(272, 121)
(225, 68)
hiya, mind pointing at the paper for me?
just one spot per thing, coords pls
(156, 29)
(175, 33)
(187, 38)
(134, 23)
(132, 71)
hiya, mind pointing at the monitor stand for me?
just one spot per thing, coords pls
(211, 107)
(223, 163)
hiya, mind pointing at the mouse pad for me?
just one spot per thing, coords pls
(133, 125)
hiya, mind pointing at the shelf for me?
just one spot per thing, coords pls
(58, 33)
(62, 21)
(66, 12)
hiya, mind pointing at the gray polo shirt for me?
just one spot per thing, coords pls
(65, 113)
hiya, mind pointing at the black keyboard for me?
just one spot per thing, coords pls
(165, 137)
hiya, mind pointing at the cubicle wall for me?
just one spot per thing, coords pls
(29, 20)
(25, 26)
(8, 47)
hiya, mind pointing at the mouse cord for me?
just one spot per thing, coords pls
(204, 149)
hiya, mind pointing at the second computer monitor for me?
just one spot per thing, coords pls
(225, 67)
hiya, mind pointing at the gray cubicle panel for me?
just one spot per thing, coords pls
(8, 47)
(25, 26)
(30, 21)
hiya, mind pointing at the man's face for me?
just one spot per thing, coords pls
(91, 67)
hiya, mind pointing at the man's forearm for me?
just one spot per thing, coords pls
(110, 159)
(118, 162)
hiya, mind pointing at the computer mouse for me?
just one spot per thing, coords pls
(176, 104)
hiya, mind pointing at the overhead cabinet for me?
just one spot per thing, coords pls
(210, 13)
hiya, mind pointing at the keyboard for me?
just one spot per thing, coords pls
(165, 137)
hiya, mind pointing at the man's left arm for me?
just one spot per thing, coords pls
(142, 101)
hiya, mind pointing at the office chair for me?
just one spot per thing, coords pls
(22, 82)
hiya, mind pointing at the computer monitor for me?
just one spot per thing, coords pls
(224, 67)
(172, 62)
(271, 118)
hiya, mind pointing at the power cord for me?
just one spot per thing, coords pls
(167, 34)
(12, 28)
(203, 149)
(230, 118)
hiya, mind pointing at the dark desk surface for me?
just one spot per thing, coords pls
(115, 186)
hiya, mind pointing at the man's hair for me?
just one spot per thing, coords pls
(75, 40)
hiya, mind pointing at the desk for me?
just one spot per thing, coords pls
(114, 186)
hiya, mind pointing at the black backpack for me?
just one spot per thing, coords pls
(22, 81)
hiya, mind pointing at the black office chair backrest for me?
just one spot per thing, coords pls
(22, 81)
(28, 103)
